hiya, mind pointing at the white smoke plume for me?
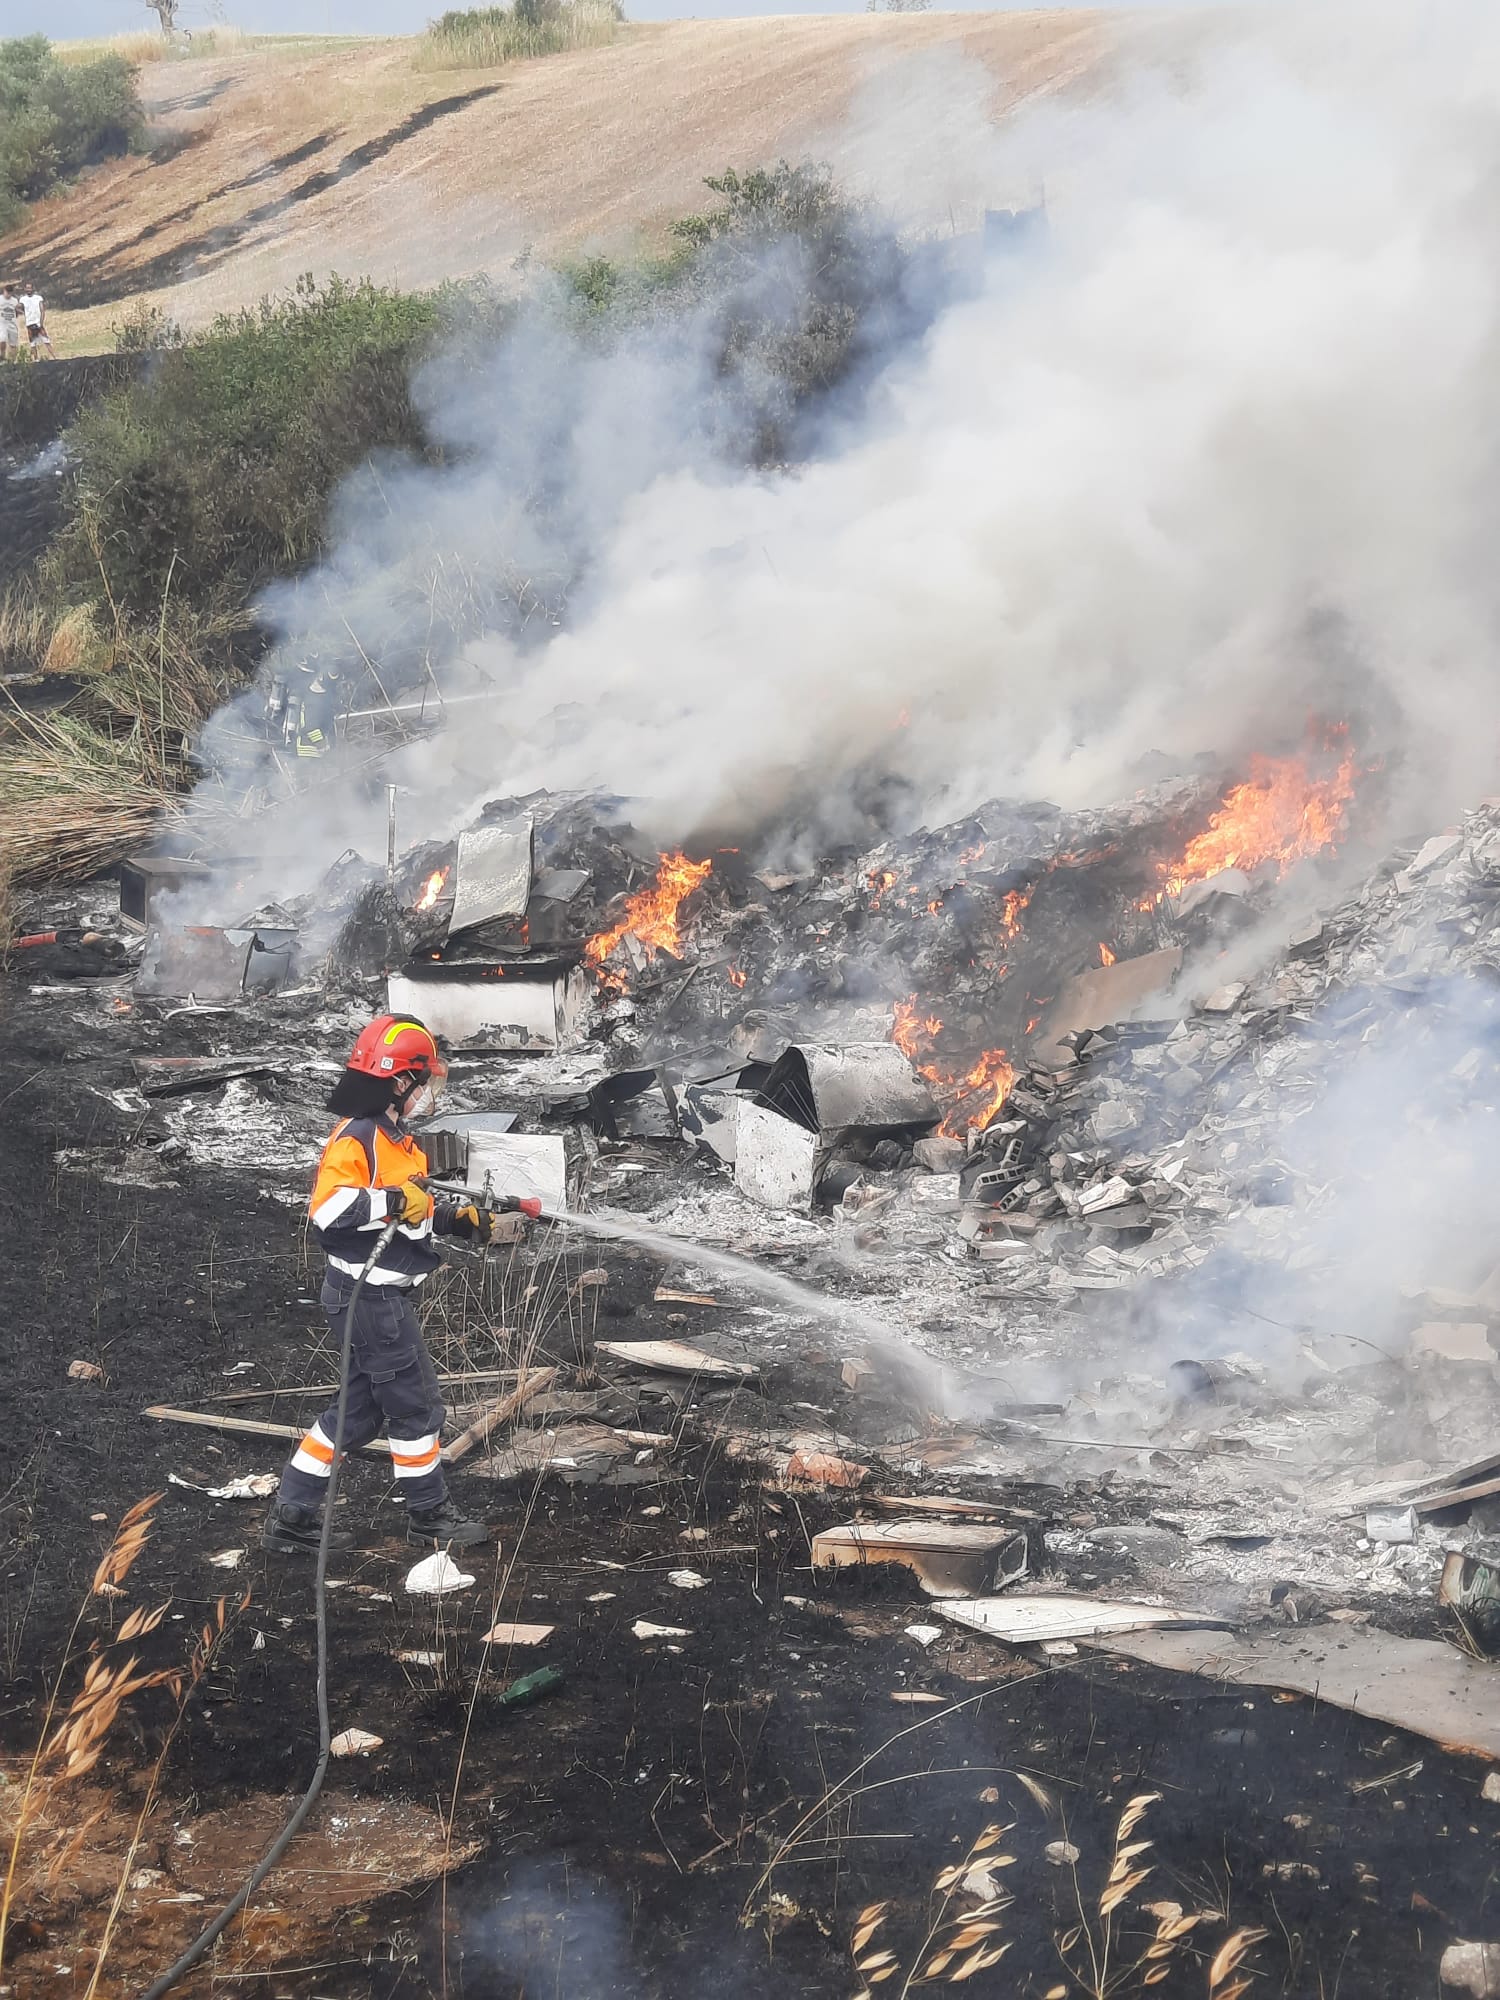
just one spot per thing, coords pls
(1221, 453)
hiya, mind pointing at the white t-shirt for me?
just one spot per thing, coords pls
(10, 307)
(31, 305)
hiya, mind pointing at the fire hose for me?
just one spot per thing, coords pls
(213, 1931)
(512, 1204)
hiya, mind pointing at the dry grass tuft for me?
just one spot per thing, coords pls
(76, 645)
(68, 1748)
(486, 37)
(73, 800)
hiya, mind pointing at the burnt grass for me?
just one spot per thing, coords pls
(625, 1822)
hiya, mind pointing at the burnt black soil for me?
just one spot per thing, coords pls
(627, 1820)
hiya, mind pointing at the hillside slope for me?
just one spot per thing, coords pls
(354, 159)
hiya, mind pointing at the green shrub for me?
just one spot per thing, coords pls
(56, 119)
(216, 464)
(485, 37)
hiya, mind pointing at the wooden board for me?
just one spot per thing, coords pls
(674, 1357)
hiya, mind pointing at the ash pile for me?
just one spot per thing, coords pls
(1159, 1136)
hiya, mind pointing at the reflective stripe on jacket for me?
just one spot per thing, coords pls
(357, 1192)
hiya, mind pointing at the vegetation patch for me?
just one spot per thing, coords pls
(208, 472)
(485, 37)
(57, 118)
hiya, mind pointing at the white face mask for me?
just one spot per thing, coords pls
(422, 1102)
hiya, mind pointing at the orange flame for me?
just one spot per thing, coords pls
(1106, 956)
(431, 889)
(879, 881)
(971, 1096)
(651, 914)
(1284, 811)
(737, 975)
(1010, 910)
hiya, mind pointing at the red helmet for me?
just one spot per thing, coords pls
(394, 1046)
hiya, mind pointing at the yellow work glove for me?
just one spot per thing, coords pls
(474, 1222)
(415, 1204)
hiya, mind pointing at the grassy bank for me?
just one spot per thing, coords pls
(210, 471)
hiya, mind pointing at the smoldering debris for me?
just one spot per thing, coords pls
(1087, 1159)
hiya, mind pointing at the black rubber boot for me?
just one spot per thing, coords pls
(298, 1530)
(444, 1525)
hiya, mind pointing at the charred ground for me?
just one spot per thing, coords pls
(614, 1838)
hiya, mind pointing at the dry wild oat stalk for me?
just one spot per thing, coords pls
(71, 1747)
(1100, 1977)
(1226, 1963)
(955, 1947)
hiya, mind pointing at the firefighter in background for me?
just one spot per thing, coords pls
(304, 705)
(367, 1178)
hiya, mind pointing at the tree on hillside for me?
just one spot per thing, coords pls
(165, 12)
(57, 118)
(898, 6)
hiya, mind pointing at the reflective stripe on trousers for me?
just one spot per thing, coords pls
(392, 1382)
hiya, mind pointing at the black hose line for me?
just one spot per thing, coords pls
(305, 1804)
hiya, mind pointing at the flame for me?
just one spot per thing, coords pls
(1106, 956)
(432, 888)
(879, 880)
(1010, 910)
(971, 1096)
(1285, 810)
(737, 975)
(651, 914)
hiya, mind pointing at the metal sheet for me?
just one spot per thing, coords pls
(1132, 989)
(1030, 1621)
(775, 1161)
(841, 1086)
(561, 885)
(200, 965)
(520, 1163)
(496, 1013)
(494, 870)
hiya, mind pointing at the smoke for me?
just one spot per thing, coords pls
(1221, 452)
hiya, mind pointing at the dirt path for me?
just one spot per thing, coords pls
(356, 160)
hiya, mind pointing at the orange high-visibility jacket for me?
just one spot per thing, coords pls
(356, 1194)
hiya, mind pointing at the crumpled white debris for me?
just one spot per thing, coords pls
(435, 1575)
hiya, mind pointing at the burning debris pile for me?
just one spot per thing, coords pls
(1086, 1040)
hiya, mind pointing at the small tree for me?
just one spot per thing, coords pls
(898, 6)
(165, 12)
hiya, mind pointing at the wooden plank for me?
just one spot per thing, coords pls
(1455, 1496)
(498, 1413)
(332, 1388)
(674, 1357)
(243, 1426)
(923, 1503)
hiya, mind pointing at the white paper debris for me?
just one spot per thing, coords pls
(228, 1559)
(436, 1575)
(686, 1579)
(644, 1629)
(253, 1486)
(924, 1634)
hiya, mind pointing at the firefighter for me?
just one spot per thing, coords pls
(303, 707)
(367, 1178)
